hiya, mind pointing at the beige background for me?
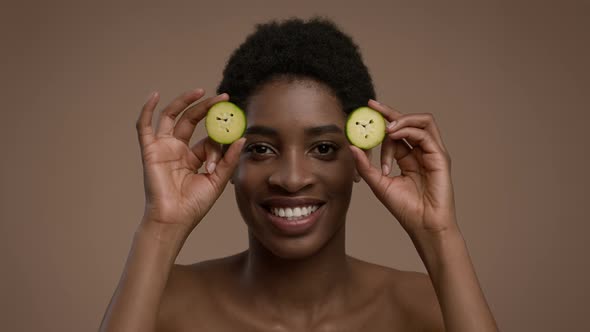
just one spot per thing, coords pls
(507, 82)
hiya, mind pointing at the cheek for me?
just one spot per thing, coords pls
(248, 178)
(245, 184)
(338, 177)
(345, 166)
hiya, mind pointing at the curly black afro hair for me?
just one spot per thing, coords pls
(294, 49)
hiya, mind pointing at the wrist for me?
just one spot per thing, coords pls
(453, 277)
(162, 235)
(441, 248)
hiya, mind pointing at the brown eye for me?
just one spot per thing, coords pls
(261, 149)
(325, 149)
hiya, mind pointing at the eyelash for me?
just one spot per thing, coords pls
(333, 147)
(251, 149)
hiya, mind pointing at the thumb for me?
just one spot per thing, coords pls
(228, 163)
(370, 174)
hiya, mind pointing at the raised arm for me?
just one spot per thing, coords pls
(177, 198)
(421, 198)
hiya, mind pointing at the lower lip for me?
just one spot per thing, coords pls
(295, 227)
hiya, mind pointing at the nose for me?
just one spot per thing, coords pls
(293, 173)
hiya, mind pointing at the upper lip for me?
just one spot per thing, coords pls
(290, 201)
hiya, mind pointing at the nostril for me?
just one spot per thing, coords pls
(290, 181)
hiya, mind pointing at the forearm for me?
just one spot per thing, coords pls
(461, 299)
(135, 303)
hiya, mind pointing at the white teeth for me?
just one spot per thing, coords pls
(292, 213)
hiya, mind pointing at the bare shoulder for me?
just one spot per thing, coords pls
(194, 288)
(414, 292)
(411, 293)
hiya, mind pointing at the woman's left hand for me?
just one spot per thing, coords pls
(421, 197)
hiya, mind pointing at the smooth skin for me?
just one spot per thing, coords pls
(264, 288)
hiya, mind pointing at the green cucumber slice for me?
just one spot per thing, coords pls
(365, 128)
(225, 122)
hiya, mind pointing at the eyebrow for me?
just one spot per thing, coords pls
(261, 130)
(320, 130)
(309, 131)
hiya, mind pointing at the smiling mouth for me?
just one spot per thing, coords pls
(293, 213)
(294, 219)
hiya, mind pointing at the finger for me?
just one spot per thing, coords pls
(417, 137)
(213, 151)
(389, 113)
(228, 163)
(198, 150)
(188, 121)
(169, 114)
(370, 174)
(387, 153)
(398, 120)
(418, 120)
(208, 153)
(392, 115)
(405, 157)
(143, 125)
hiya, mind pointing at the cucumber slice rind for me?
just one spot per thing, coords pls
(365, 128)
(225, 122)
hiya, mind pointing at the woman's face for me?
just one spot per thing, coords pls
(294, 180)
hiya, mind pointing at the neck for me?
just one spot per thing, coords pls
(313, 284)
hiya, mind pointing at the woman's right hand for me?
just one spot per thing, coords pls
(176, 193)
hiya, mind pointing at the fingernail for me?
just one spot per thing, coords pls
(391, 125)
(211, 167)
(151, 95)
(199, 90)
(385, 169)
(375, 101)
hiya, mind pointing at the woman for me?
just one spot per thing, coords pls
(293, 173)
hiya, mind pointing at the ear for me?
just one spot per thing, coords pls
(357, 176)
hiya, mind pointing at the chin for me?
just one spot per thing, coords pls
(278, 238)
(293, 251)
(292, 248)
